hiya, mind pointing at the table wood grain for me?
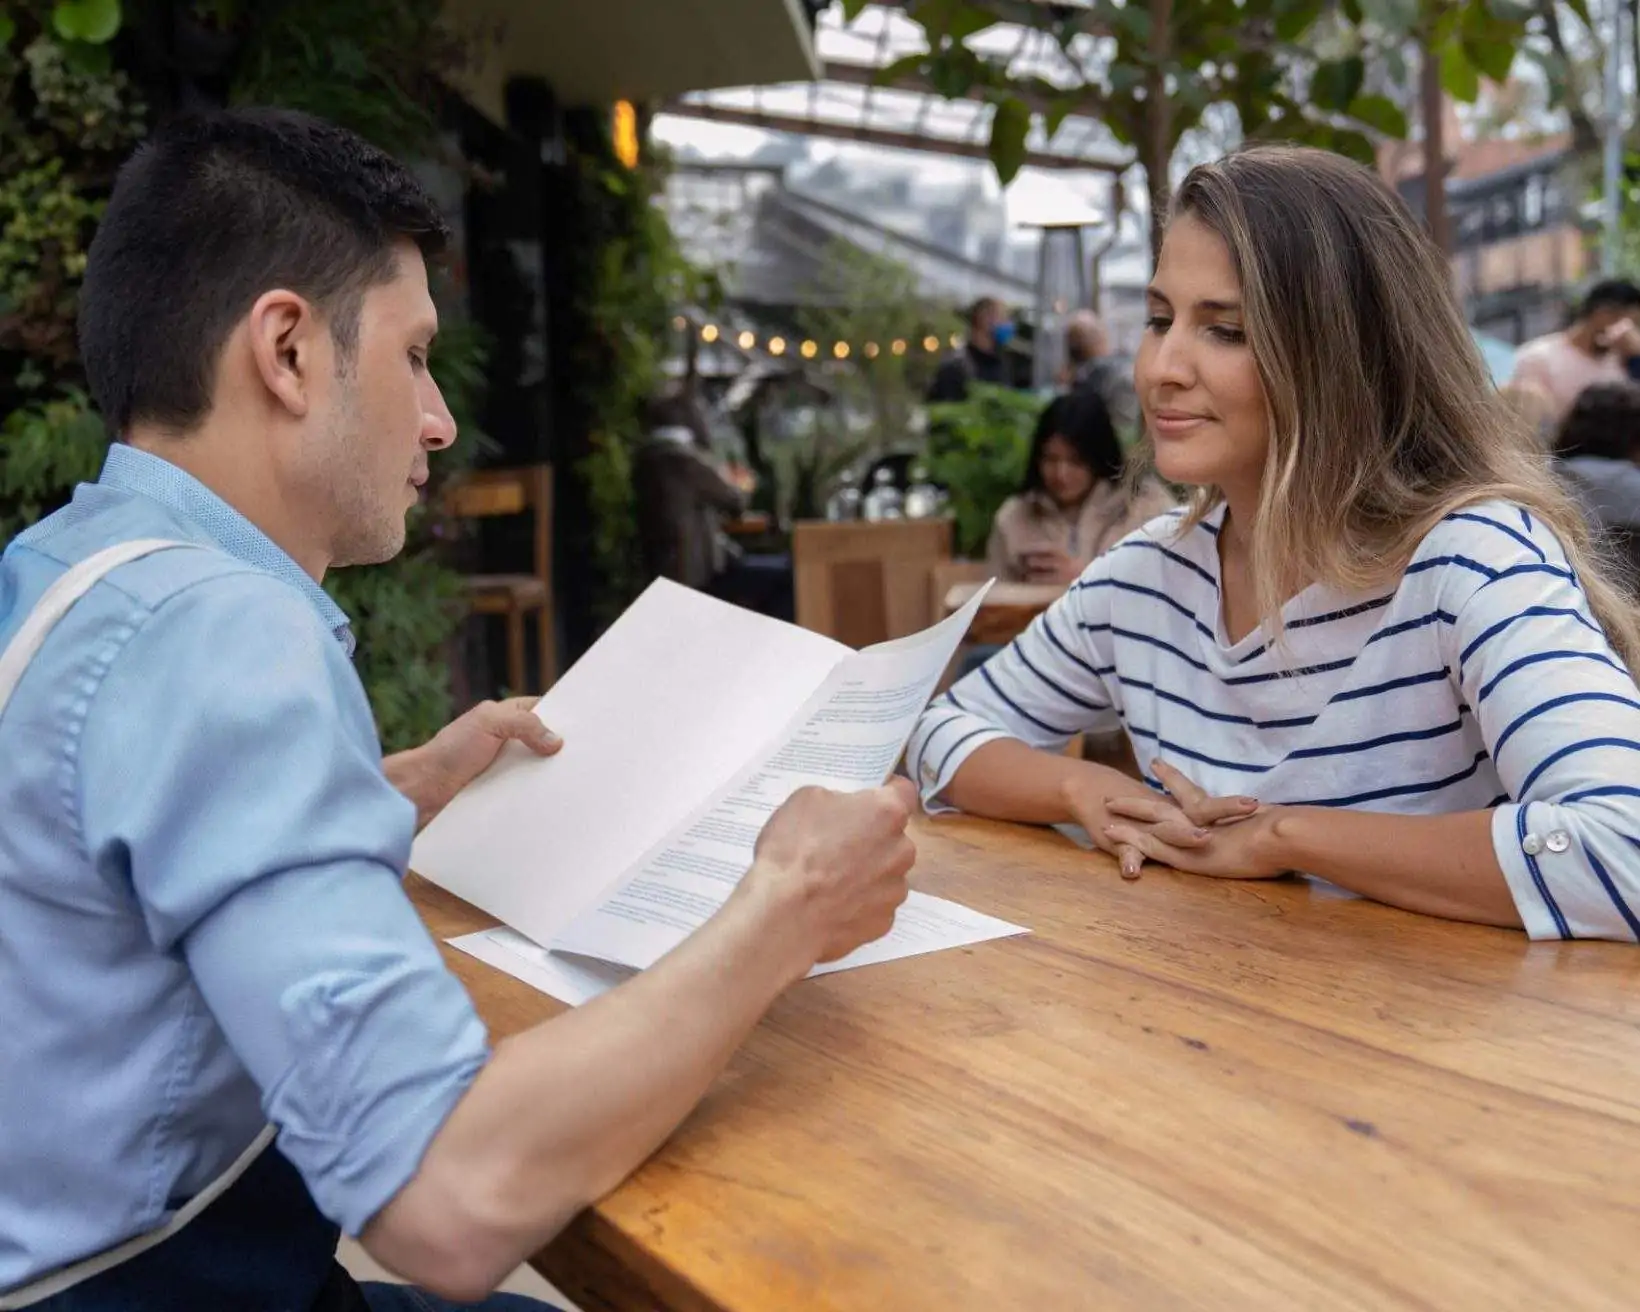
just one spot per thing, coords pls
(1175, 1093)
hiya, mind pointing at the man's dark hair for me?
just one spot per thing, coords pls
(979, 307)
(210, 213)
(1609, 294)
(1604, 421)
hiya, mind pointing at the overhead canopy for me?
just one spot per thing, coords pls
(847, 104)
(594, 52)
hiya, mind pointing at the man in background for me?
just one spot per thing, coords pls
(980, 359)
(1597, 347)
(1096, 369)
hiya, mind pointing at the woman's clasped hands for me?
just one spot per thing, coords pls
(1187, 828)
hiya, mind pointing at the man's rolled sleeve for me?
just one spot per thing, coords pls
(229, 770)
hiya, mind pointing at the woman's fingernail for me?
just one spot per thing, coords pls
(551, 739)
(1200, 833)
(1129, 871)
(1247, 801)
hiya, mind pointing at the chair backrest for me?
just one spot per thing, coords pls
(946, 574)
(483, 493)
(862, 582)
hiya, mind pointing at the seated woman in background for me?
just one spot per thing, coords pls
(1374, 646)
(1598, 452)
(1074, 504)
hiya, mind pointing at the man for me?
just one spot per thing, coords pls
(1096, 370)
(681, 496)
(201, 924)
(981, 355)
(1598, 347)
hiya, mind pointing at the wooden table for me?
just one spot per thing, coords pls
(1007, 610)
(1176, 1093)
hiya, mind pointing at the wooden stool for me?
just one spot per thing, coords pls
(491, 492)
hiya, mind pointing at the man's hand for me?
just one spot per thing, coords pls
(1622, 337)
(1190, 830)
(837, 863)
(432, 774)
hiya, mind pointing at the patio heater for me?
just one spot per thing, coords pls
(1061, 276)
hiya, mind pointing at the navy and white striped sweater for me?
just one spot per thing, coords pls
(1481, 681)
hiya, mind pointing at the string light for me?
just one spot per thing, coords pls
(956, 341)
(810, 350)
(679, 322)
(840, 350)
(747, 340)
(777, 346)
(871, 350)
(709, 333)
(931, 343)
(899, 346)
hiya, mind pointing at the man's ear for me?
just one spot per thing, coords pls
(284, 334)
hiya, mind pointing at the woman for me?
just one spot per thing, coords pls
(1373, 647)
(1074, 504)
(1598, 452)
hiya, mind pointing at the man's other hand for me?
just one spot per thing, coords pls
(837, 863)
(432, 774)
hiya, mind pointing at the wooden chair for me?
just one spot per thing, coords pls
(492, 492)
(863, 583)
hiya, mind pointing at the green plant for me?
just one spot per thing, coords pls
(1293, 70)
(870, 301)
(67, 117)
(634, 280)
(46, 447)
(977, 449)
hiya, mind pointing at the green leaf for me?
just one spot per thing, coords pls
(1337, 82)
(1380, 113)
(905, 66)
(92, 61)
(93, 21)
(969, 20)
(1009, 126)
(1059, 109)
(1458, 75)
(1124, 77)
(1356, 145)
(1352, 11)
(1581, 9)
(1293, 19)
(852, 9)
(1493, 58)
(8, 28)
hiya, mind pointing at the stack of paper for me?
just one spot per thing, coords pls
(684, 728)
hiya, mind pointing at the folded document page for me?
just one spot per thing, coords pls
(684, 727)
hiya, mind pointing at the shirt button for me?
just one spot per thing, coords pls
(1531, 845)
(1558, 841)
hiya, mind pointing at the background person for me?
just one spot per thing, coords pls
(1075, 502)
(980, 359)
(1597, 347)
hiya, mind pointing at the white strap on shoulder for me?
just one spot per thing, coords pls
(56, 601)
(69, 1276)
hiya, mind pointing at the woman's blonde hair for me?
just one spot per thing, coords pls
(1383, 419)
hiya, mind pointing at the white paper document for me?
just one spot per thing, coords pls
(685, 726)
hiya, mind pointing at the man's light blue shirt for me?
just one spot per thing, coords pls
(202, 927)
